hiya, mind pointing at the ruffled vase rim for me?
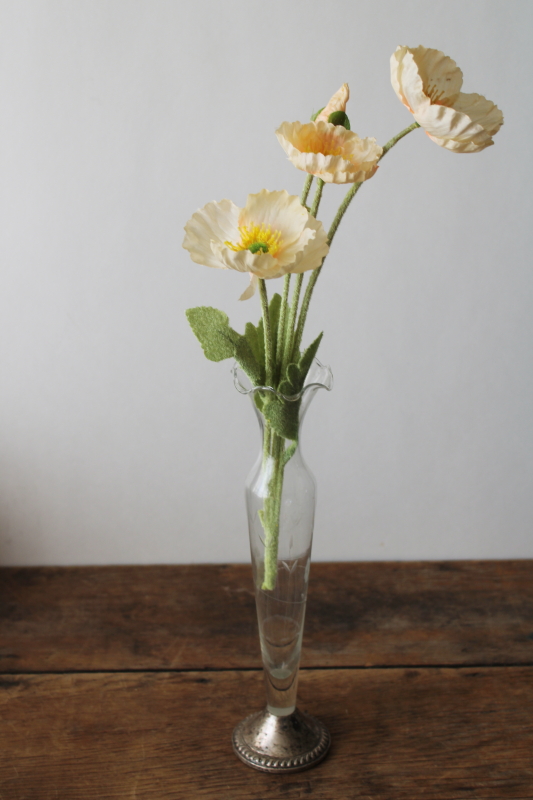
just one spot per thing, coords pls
(319, 376)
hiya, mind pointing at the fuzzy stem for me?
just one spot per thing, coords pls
(318, 194)
(282, 320)
(397, 138)
(271, 512)
(350, 194)
(305, 190)
(289, 334)
(268, 333)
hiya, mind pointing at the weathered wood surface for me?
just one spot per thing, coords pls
(203, 617)
(428, 734)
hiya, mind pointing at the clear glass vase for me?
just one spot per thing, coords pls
(280, 500)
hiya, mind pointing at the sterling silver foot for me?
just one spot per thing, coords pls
(281, 744)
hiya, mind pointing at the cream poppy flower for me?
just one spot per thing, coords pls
(329, 151)
(429, 84)
(271, 236)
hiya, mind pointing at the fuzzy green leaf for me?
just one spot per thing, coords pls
(211, 328)
(307, 358)
(245, 358)
(251, 334)
(289, 452)
(282, 415)
(219, 341)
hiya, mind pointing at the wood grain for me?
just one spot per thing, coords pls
(436, 734)
(203, 617)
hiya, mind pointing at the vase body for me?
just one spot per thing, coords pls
(280, 501)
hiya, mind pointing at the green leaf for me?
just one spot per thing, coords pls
(291, 383)
(261, 342)
(289, 452)
(251, 334)
(211, 328)
(245, 358)
(219, 341)
(282, 415)
(307, 358)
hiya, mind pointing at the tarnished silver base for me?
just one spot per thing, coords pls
(281, 744)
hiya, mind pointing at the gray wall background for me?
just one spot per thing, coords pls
(119, 442)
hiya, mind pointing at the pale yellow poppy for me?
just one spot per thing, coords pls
(270, 237)
(429, 84)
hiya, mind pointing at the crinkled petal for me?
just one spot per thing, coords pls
(429, 83)
(441, 77)
(481, 111)
(317, 248)
(279, 210)
(447, 123)
(251, 289)
(456, 146)
(329, 151)
(262, 264)
(289, 251)
(420, 75)
(406, 80)
(337, 103)
(214, 222)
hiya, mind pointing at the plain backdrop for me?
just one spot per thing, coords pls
(119, 441)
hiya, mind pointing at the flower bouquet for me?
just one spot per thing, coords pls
(276, 235)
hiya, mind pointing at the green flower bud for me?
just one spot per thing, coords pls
(339, 118)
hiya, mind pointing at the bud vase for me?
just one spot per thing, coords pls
(280, 501)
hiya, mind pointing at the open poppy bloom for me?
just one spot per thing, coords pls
(429, 84)
(329, 151)
(270, 237)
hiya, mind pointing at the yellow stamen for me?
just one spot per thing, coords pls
(257, 238)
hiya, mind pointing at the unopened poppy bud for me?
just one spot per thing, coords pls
(337, 103)
(340, 118)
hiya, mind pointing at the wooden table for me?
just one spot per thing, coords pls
(126, 682)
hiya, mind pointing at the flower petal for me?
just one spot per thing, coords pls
(279, 210)
(315, 250)
(262, 264)
(252, 288)
(406, 80)
(441, 77)
(481, 111)
(214, 222)
(446, 122)
(457, 146)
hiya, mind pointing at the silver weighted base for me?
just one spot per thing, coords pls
(281, 744)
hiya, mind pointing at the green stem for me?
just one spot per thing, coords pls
(318, 194)
(397, 138)
(305, 190)
(289, 333)
(268, 333)
(271, 513)
(281, 325)
(350, 194)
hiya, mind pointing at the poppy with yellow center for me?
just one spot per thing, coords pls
(273, 235)
(257, 238)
